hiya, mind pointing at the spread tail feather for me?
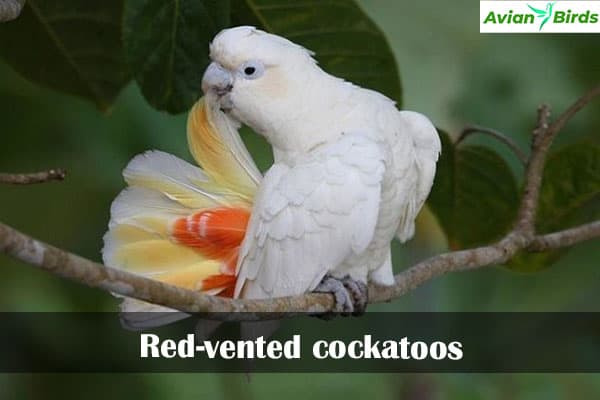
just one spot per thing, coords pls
(181, 224)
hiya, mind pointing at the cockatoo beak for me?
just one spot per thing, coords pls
(217, 79)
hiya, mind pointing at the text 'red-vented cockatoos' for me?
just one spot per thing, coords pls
(350, 173)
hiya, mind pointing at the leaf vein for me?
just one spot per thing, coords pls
(62, 49)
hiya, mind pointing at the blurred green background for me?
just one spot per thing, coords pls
(449, 71)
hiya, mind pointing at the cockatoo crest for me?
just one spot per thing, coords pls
(232, 47)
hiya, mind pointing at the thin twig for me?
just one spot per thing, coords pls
(543, 136)
(36, 177)
(562, 119)
(566, 238)
(540, 144)
(471, 129)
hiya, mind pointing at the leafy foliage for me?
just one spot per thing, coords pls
(474, 196)
(570, 188)
(76, 47)
(166, 45)
(69, 45)
(570, 195)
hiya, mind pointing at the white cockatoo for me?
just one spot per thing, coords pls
(350, 173)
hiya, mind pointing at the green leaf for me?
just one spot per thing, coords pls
(570, 196)
(570, 188)
(346, 42)
(166, 45)
(474, 195)
(69, 45)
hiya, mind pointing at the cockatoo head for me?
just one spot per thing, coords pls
(258, 78)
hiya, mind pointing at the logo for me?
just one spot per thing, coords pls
(539, 16)
(544, 14)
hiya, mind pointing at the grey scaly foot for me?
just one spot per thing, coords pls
(359, 291)
(343, 301)
(350, 296)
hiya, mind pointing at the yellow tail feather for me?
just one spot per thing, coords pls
(215, 144)
(163, 189)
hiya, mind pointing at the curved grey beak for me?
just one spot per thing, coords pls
(217, 79)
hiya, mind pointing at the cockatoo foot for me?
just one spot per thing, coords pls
(351, 296)
(359, 291)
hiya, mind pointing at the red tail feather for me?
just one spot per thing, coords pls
(216, 233)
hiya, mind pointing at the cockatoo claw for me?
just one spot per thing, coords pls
(351, 296)
(359, 291)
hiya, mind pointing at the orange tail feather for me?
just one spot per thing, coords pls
(216, 233)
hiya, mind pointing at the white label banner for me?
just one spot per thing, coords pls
(566, 16)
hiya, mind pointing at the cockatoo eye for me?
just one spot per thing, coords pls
(252, 69)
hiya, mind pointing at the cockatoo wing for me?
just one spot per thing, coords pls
(425, 147)
(310, 216)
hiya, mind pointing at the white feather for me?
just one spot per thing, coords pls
(138, 315)
(156, 163)
(171, 176)
(136, 201)
(291, 245)
(427, 147)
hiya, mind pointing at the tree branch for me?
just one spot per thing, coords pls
(574, 109)
(566, 238)
(36, 177)
(471, 129)
(81, 270)
(543, 136)
(540, 144)
(10, 9)
(521, 238)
